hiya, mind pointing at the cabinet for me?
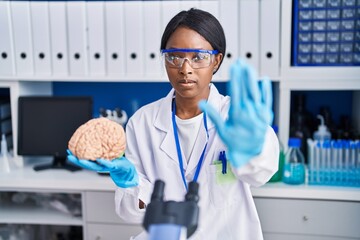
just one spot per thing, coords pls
(102, 221)
(304, 212)
(98, 219)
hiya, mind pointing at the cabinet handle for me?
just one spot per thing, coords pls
(305, 218)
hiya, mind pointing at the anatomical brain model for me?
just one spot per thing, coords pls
(98, 138)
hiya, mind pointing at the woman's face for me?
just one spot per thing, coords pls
(187, 81)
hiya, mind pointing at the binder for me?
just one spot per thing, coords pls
(168, 10)
(96, 32)
(7, 62)
(152, 32)
(21, 22)
(211, 7)
(115, 38)
(41, 37)
(249, 32)
(76, 25)
(134, 39)
(186, 5)
(270, 38)
(58, 36)
(228, 17)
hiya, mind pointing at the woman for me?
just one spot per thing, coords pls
(180, 137)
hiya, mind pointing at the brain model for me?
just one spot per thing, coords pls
(98, 138)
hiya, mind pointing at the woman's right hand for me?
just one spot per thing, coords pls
(121, 170)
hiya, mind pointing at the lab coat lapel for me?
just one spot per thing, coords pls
(163, 123)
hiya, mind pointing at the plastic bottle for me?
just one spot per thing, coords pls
(278, 175)
(294, 167)
(322, 133)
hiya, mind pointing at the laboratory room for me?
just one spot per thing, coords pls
(180, 119)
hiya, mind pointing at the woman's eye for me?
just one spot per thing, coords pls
(199, 57)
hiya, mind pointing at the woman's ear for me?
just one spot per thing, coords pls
(218, 59)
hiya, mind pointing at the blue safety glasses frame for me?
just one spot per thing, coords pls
(174, 57)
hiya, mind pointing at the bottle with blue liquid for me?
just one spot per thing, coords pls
(294, 167)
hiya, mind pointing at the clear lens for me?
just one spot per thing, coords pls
(196, 59)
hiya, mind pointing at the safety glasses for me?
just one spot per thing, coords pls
(197, 58)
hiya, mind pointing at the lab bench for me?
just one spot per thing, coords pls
(286, 212)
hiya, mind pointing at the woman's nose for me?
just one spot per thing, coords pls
(186, 67)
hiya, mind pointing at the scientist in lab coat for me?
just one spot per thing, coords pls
(181, 137)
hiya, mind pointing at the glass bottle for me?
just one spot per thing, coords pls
(300, 125)
(278, 175)
(294, 167)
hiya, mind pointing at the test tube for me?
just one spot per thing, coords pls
(327, 159)
(352, 161)
(346, 150)
(317, 162)
(311, 158)
(335, 158)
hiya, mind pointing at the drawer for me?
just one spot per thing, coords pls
(112, 231)
(318, 217)
(100, 207)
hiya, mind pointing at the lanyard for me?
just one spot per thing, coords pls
(178, 149)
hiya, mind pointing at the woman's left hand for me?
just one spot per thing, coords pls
(249, 116)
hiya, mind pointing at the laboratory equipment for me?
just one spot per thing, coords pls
(278, 175)
(172, 220)
(46, 123)
(294, 167)
(322, 134)
(334, 163)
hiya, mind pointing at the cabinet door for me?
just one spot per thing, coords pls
(112, 231)
(105, 213)
(310, 217)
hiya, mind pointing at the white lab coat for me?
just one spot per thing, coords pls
(227, 211)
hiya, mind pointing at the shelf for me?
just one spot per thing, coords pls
(20, 214)
(304, 191)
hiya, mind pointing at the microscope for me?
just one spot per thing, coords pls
(172, 220)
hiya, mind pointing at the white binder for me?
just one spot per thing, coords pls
(41, 37)
(58, 33)
(115, 38)
(96, 33)
(270, 38)
(249, 32)
(211, 7)
(21, 22)
(134, 51)
(76, 25)
(229, 18)
(168, 10)
(186, 5)
(152, 33)
(7, 62)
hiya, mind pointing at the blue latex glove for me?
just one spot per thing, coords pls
(249, 116)
(121, 170)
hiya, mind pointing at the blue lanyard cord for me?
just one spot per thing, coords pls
(178, 148)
